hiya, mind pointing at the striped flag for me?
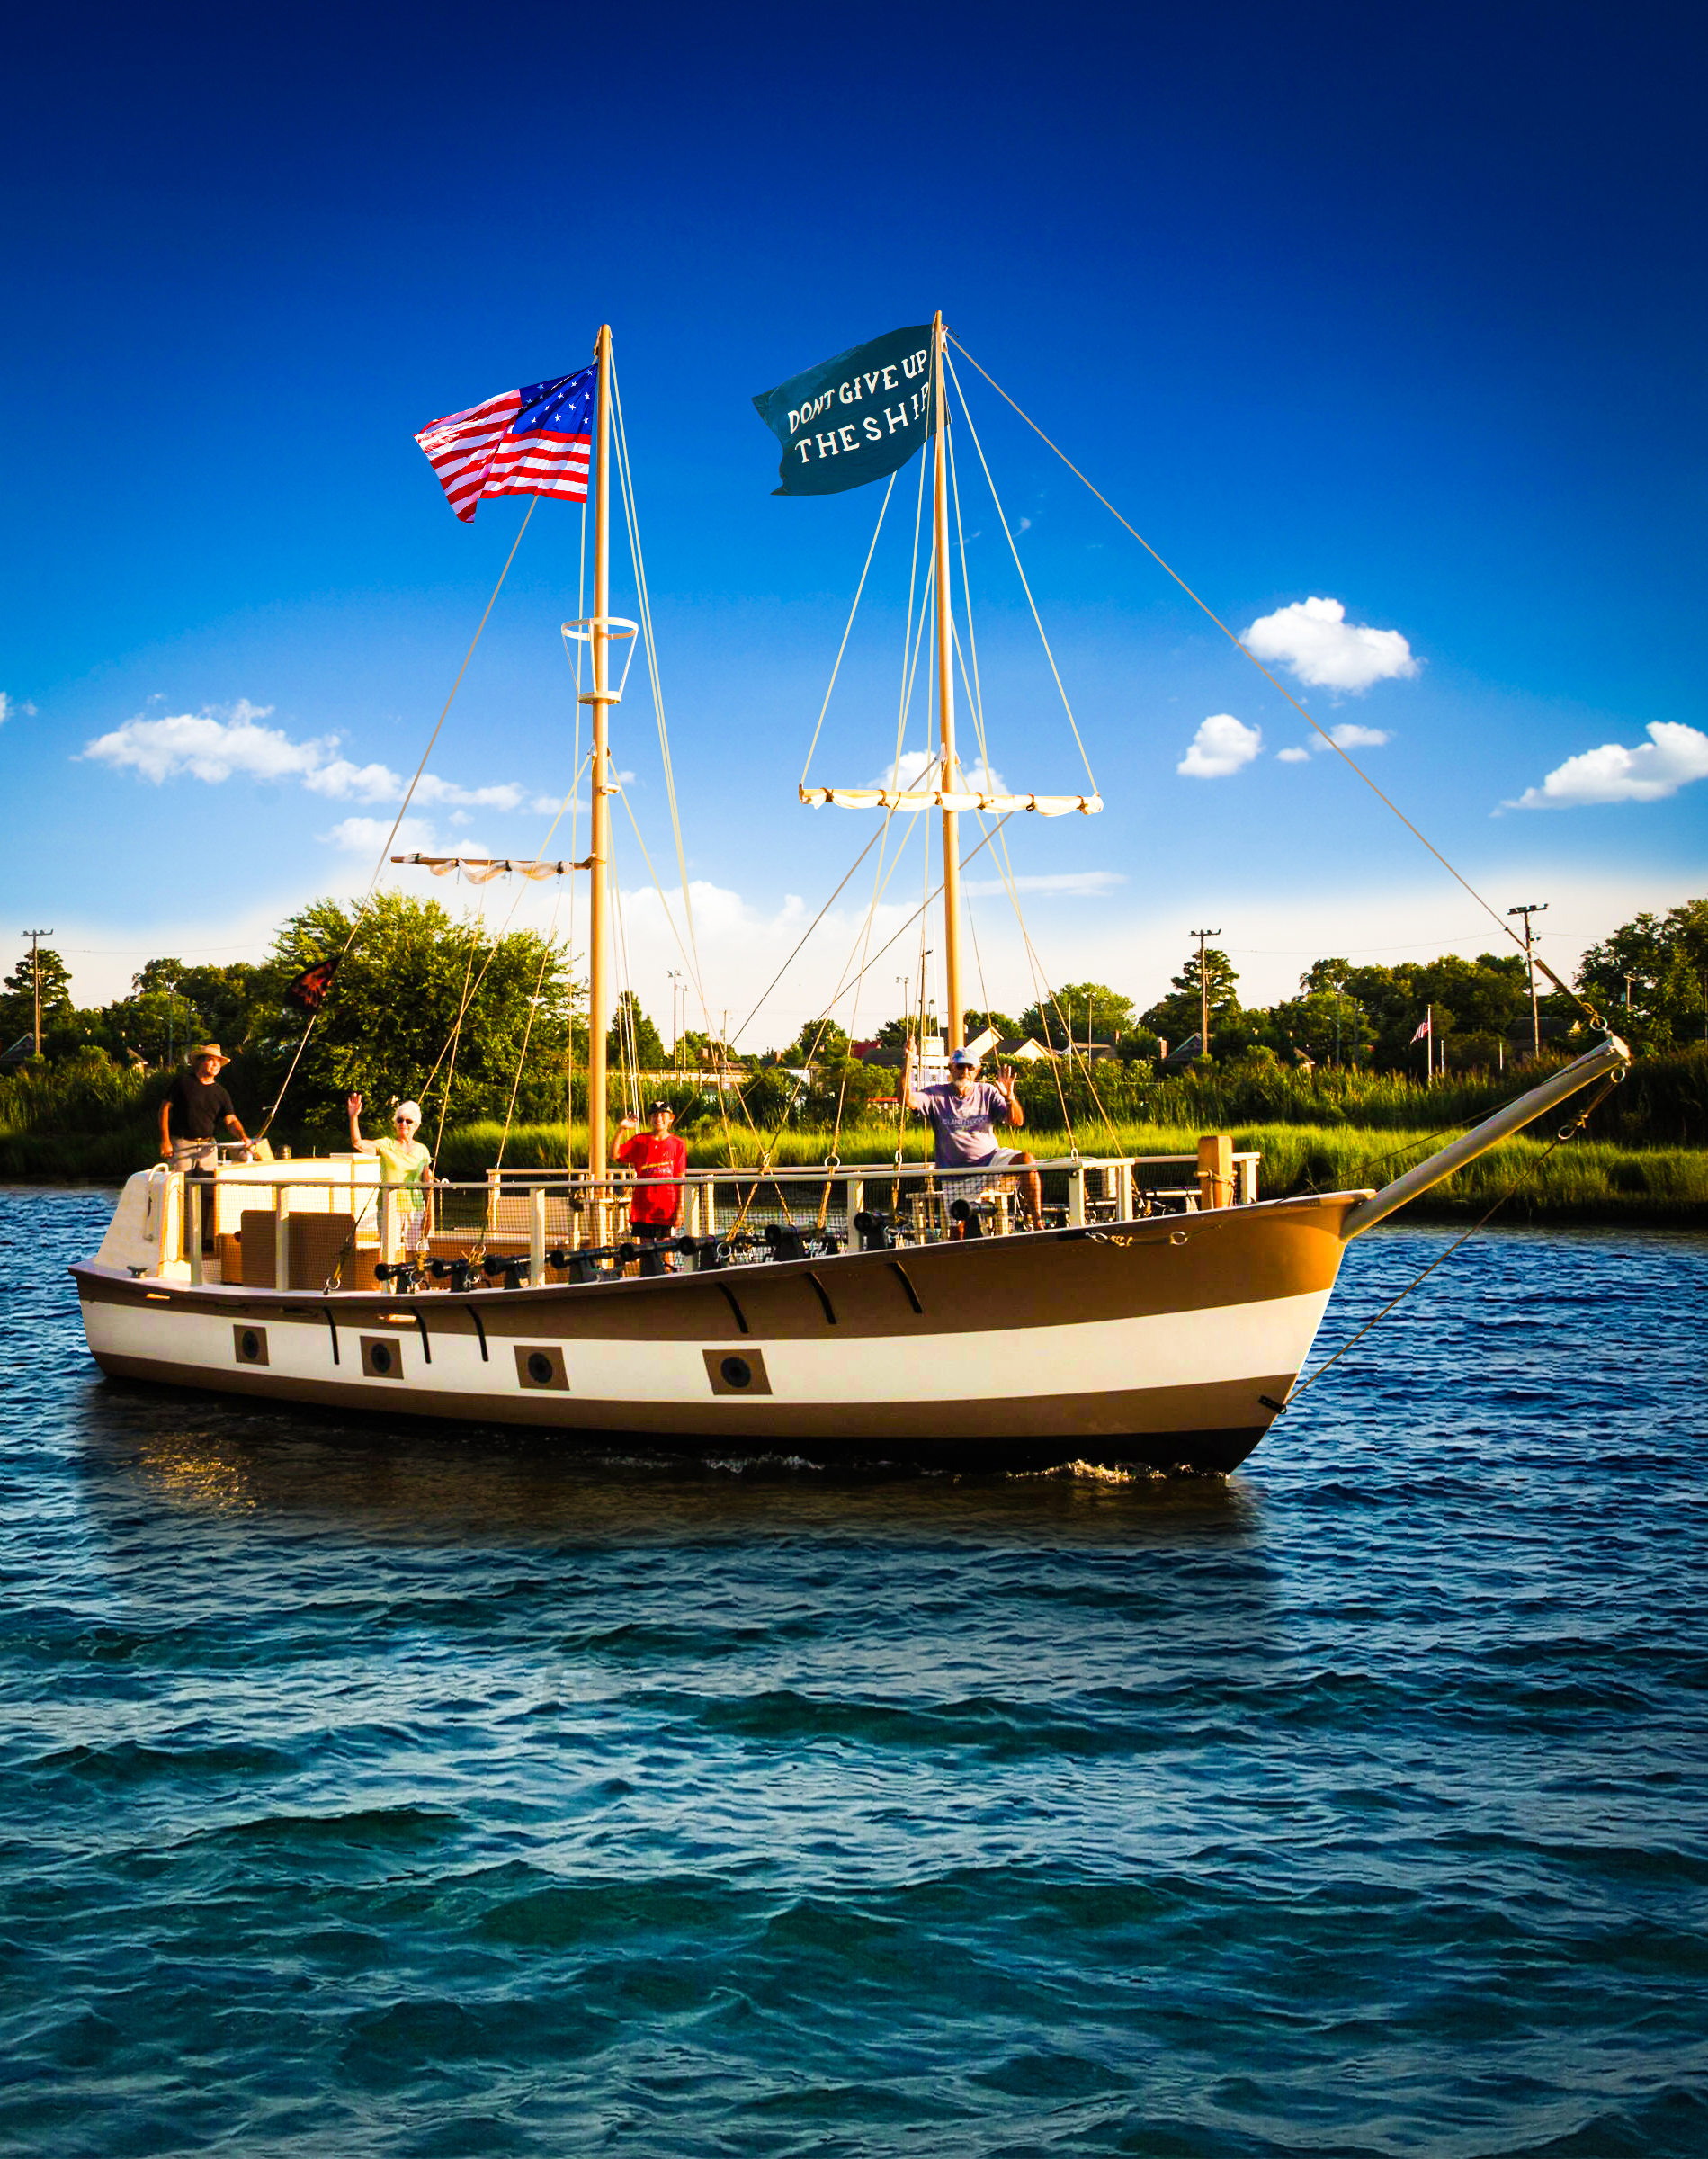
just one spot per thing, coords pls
(523, 441)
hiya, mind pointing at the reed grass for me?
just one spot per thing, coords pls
(1584, 1179)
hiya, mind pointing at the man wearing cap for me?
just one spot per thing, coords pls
(962, 1112)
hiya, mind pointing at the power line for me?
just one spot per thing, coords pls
(1532, 907)
(1203, 991)
(35, 938)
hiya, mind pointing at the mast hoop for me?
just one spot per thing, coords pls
(615, 629)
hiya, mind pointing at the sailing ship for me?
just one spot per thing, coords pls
(856, 1311)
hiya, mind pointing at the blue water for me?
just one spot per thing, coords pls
(363, 1792)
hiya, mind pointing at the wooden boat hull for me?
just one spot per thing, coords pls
(1153, 1341)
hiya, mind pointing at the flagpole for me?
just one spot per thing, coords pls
(951, 779)
(598, 931)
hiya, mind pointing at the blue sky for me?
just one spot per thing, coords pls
(1395, 308)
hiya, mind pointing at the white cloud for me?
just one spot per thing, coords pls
(1348, 735)
(7, 707)
(210, 748)
(918, 768)
(1672, 755)
(1073, 884)
(416, 834)
(505, 795)
(344, 781)
(1315, 642)
(1221, 745)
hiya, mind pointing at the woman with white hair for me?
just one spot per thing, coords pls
(404, 1162)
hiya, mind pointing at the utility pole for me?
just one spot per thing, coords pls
(1630, 971)
(1532, 907)
(35, 938)
(676, 1033)
(1203, 991)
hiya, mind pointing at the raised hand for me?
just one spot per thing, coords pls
(353, 1103)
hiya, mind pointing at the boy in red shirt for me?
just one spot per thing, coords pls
(658, 1160)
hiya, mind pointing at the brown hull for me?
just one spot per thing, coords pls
(1152, 1342)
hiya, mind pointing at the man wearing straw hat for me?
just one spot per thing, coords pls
(199, 1107)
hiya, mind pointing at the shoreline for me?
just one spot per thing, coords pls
(1585, 1182)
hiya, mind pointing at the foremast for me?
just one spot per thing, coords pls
(601, 699)
(956, 1025)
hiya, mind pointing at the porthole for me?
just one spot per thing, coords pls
(729, 1373)
(249, 1345)
(382, 1356)
(540, 1365)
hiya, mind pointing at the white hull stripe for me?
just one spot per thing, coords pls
(1164, 1349)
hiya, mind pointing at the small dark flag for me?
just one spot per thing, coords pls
(308, 991)
(857, 417)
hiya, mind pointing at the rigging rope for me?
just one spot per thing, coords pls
(1020, 567)
(1565, 1132)
(852, 611)
(1499, 920)
(644, 601)
(408, 798)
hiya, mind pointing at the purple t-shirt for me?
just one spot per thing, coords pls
(962, 1127)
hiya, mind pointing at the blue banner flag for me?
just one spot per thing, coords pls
(857, 417)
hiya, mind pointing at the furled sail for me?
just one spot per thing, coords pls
(941, 798)
(481, 869)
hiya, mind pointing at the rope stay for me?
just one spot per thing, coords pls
(847, 629)
(644, 599)
(397, 822)
(1340, 750)
(1567, 1131)
(1020, 569)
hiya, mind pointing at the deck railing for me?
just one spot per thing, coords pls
(302, 1223)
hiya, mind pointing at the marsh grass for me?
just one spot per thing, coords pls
(1584, 1179)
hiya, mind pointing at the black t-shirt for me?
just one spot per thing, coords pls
(197, 1108)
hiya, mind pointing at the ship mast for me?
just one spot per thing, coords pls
(601, 700)
(949, 781)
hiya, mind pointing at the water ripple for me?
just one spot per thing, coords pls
(399, 1793)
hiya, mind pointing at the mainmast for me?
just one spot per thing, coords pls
(601, 700)
(949, 782)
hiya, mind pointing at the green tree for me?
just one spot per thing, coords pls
(1324, 1024)
(632, 1034)
(819, 1043)
(999, 1022)
(1666, 959)
(1077, 1006)
(387, 1028)
(18, 1007)
(238, 1004)
(1176, 1016)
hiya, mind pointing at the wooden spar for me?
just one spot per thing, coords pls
(1609, 1055)
(954, 1028)
(599, 856)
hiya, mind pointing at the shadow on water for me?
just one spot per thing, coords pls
(217, 1457)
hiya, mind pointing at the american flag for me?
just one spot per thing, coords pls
(523, 441)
